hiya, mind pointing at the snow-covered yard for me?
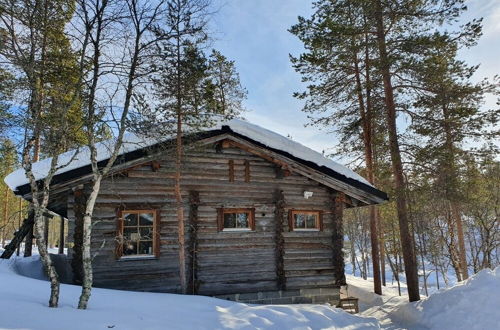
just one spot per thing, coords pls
(23, 305)
(472, 304)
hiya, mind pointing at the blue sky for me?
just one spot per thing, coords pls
(254, 34)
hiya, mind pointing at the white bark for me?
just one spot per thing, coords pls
(86, 251)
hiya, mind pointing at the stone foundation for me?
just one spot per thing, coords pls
(299, 296)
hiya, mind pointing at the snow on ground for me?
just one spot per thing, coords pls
(471, 304)
(23, 305)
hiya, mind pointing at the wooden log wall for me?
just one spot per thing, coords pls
(194, 201)
(78, 212)
(338, 238)
(226, 262)
(279, 218)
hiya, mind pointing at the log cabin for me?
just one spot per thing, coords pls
(263, 215)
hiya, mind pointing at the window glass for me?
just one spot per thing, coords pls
(146, 219)
(129, 219)
(300, 220)
(138, 229)
(242, 220)
(229, 220)
(311, 221)
(305, 219)
(145, 247)
(237, 218)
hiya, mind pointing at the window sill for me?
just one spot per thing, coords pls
(138, 257)
(307, 230)
(236, 230)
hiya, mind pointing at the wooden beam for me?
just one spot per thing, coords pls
(61, 237)
(155, 165)
(28, 242)
(79, 210)
(337, 207)
(279, 218)
(23, 231)
(46, 230)
(308, 172)
(194, 201)
(231, 170)
(247, 171)
(229, 140)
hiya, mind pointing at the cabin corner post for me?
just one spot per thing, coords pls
(194, 201)
(79, 211)
(338, 239)
(61, 237)
(28, 243)
(279, 216)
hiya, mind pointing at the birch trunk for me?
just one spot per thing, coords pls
(39, 230)
(86, 251)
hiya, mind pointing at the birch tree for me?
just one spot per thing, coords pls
(35, 51)
(117, 69)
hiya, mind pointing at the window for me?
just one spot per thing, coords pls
(138, 233)
(236, 219)
(300, 220)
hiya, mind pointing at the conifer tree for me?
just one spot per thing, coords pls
(342, 92)
(191, 92)
(447, 113)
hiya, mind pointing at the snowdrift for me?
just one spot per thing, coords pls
(23, 305)
(471, 304)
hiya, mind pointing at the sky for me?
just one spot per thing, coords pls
(254, 34)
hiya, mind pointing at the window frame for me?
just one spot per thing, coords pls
(120, 234)
(319, 220)
(220, 219)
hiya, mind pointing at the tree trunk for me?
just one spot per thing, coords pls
(382, 249)
(180, 207)
(86, 242)
(452, 178)
(461, 242)
(366, 118)
(397, 166)
(338, 239)
(353, 258)
(49, 268)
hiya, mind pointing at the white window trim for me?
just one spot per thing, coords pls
(237, 229)
(306, 229)
(137, 257)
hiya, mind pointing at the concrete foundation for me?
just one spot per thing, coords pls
(299, 296)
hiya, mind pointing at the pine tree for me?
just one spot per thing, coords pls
(447, 112)
(223, 88)
(190, 91)
(338, 64)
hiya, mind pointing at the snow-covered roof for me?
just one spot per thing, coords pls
(78, 158)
